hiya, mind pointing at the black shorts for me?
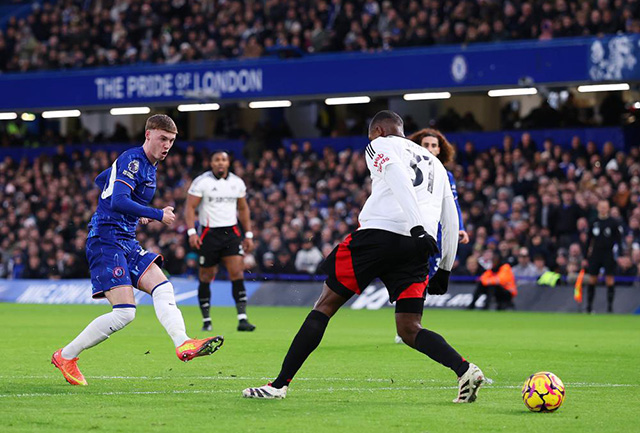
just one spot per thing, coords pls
(371, 253)
(601, 260)
(218, 242)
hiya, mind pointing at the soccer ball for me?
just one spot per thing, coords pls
(543, 392)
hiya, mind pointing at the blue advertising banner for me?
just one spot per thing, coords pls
(451, 67)
(79, 292)
(531, 297)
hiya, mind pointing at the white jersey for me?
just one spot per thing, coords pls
(219, 204)
(410, 187)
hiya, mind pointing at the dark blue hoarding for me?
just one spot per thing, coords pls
(569, 60)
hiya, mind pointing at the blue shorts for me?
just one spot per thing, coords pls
(115, 263)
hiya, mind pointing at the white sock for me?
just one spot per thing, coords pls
(100, 329)
(168, 313)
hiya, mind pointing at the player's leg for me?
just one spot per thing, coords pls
(348, 268)
(123, 313)
(154, 282)
(304, 343)
(593, 269)
(205, 277)
(609, 280)
(235, 266)
(409, 326)
(591, 290)
(110, 278)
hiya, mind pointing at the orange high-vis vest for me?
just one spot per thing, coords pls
(504, 277)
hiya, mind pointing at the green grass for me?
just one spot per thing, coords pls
(357, 380)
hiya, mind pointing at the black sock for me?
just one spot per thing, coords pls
(239, 295)
(204, 298)
(611, 292)
(305, 342)
(591, 293)
(435, 347)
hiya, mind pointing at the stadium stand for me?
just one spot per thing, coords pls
(518, 197)
(78, 33)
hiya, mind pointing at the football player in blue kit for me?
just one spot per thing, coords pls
(117, 262)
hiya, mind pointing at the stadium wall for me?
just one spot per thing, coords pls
(478, 66)
(531, 297)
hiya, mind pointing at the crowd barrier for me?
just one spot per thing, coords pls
(531, 297)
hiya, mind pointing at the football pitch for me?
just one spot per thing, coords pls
(357, 380)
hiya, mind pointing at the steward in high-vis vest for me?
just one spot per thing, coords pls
(497, 282)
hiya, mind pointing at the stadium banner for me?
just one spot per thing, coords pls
(531, 297)
(565, 60)
(79, 292)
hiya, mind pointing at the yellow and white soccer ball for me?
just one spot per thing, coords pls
(543, 392)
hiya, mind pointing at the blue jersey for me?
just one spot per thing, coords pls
(435, 259)
(133, 169)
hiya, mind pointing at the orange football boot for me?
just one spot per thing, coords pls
(194, 348)
(69, 368)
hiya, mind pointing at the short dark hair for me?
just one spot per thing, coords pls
(217, 151)
(384, 118)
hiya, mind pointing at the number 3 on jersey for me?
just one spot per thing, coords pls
(420, 164)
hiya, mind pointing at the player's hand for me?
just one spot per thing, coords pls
(144, 221)
(247, 245)
(195, 242)
(424, 241)
(463, 237)
(168, 217)
(439, 283)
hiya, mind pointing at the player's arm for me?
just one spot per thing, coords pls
(462, 233)
(122, 202)
(439, 283)
(244, 215)
(193, 201)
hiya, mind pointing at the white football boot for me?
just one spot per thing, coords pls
(266, 392)
(398, 339)
(469, 384)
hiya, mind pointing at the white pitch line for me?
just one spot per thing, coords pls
(299, 391)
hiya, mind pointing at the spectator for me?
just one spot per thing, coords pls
(308, 258)
(525, 268)
(498, 283)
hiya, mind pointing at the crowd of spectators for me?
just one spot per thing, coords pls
(79, 33)
(532, 206)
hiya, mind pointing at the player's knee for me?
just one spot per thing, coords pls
(408, 330)
(122, 317)
(205, 276)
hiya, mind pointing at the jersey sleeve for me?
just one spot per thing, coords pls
(128, 170)
(454, 191)
(449, 222)
(380, 154)
(243, 189)
(195, 189)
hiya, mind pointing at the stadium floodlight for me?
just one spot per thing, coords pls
(517, 91)
(129, 110)
(28, 117)
(426, 96)
(603, 87)
(270, 104)
(198, 107)
(8, 116)
(348, 100)
(59, 114)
